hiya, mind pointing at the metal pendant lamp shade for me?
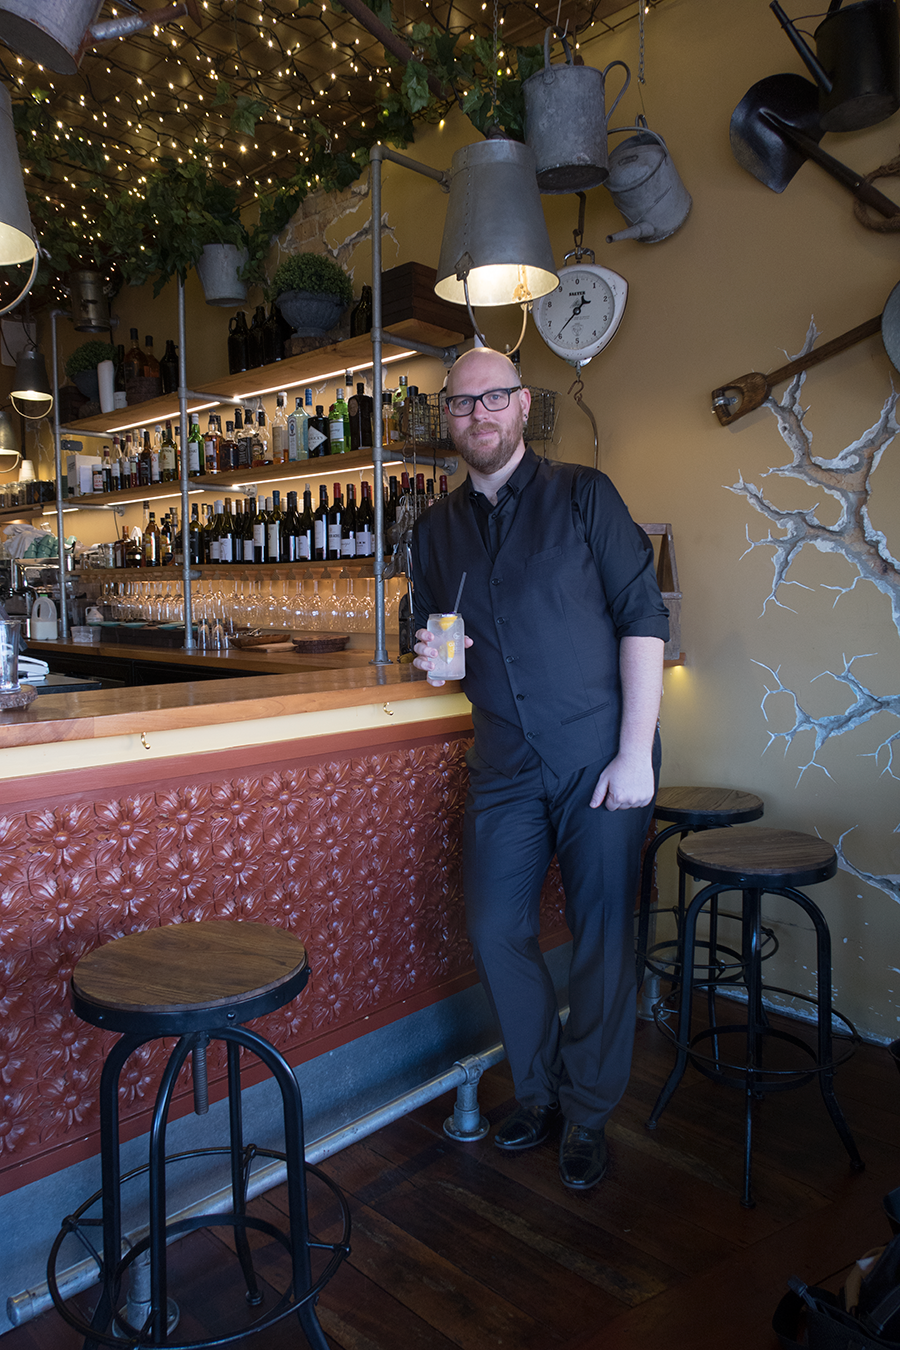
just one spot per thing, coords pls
(16, 237)
(495, 229)
(31, 394)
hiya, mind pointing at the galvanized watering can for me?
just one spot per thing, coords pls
(57, 33)
(856, 63)
(645, 186)
(566, 122)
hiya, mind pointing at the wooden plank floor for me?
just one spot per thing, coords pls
(457, 1245)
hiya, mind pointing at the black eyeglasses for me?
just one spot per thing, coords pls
(495, 400)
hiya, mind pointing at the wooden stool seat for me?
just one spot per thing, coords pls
(189, 977)
(699, 807)
(197, 982)
(754, 861)
(685, 809)
(755, 856)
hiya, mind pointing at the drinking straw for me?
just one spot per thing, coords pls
(462, 582)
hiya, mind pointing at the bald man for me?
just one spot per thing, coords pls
(565, 629)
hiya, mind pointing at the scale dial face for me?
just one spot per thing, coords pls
(582, 315)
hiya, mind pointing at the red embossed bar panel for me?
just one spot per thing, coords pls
(355, 848)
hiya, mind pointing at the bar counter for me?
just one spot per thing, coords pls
(327, 801)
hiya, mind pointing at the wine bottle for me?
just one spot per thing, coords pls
(320, 526)
(290, 531)
(336, 424)
(260, 522)
(361, 316)
(306, 546)
(215, 534)
(211, 446)
(256, 342)
(144, 461)
(365, 524)
(247, 533)
(194, 536)
(167, 473)
(195, 448)
(238, 338)
(274, 528)
(154, 454)
(165, 542)
(359, 408)
(348, 525)
(134, 360)
(226, 534)
(335, 517)
(151, 543)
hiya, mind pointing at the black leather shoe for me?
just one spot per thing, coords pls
(583, 1156)
(526, 1127)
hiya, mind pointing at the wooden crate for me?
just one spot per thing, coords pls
(667, 576)
(407, 292)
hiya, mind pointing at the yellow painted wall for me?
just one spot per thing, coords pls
(730, 293)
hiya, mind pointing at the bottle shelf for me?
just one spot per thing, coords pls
(324, 363)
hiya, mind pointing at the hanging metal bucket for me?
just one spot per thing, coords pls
(566, 122)
(53, 33)
(90, 302)
(645, 186)
(218, 267)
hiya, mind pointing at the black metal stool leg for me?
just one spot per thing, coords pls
(159, 1296)
(238, 1177)
(644, 916)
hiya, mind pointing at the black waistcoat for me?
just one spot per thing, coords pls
(544, 668)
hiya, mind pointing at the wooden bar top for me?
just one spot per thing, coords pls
(263, 663)
(192, 703)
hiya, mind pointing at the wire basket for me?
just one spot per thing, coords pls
(427, 427)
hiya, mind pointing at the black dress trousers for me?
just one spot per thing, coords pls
(512, 828)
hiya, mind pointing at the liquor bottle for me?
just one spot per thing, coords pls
(228, 450)
(97, 478)
(280, 438)
(151, 365)
(167, 473)
(226, 534)
(294, 422)
(177, 539)
(211, 446)
(260, 453)
(144, 461)
(361, 315)
(359, 408)
(134, 360)
(420, 495)
(273, 343)
(306, 545)
(107, 470)
(401, 396)
(336, 424)
(429, 493)
(168, 368)
(348, 525)
(194, 536)
(365, 524)
(154, 454)
(320, 527)
(238, 338)
(345, 397)
(442, 486)
(274, 527)
(317, 436)
(166, 553)
(260, 522)
(256, 342)
(244, 438)
(115, 470)
(209, 530)
(390, 433)
(131, 455)
(120, 398)
(195, 448)
(151, 543)
(335, 517)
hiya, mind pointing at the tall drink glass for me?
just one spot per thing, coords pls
(449, 633)
(9, 654)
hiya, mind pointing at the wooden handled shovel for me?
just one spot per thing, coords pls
(741, 396)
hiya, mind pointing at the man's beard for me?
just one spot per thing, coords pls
(490, 458)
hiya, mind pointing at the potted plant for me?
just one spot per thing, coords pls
(186, 218)
(312, 292)
(81, 367)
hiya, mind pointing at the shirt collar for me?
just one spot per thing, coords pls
(522, 475)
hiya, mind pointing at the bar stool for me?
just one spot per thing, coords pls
(198, 982)
(757, 862)
(689, 809)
